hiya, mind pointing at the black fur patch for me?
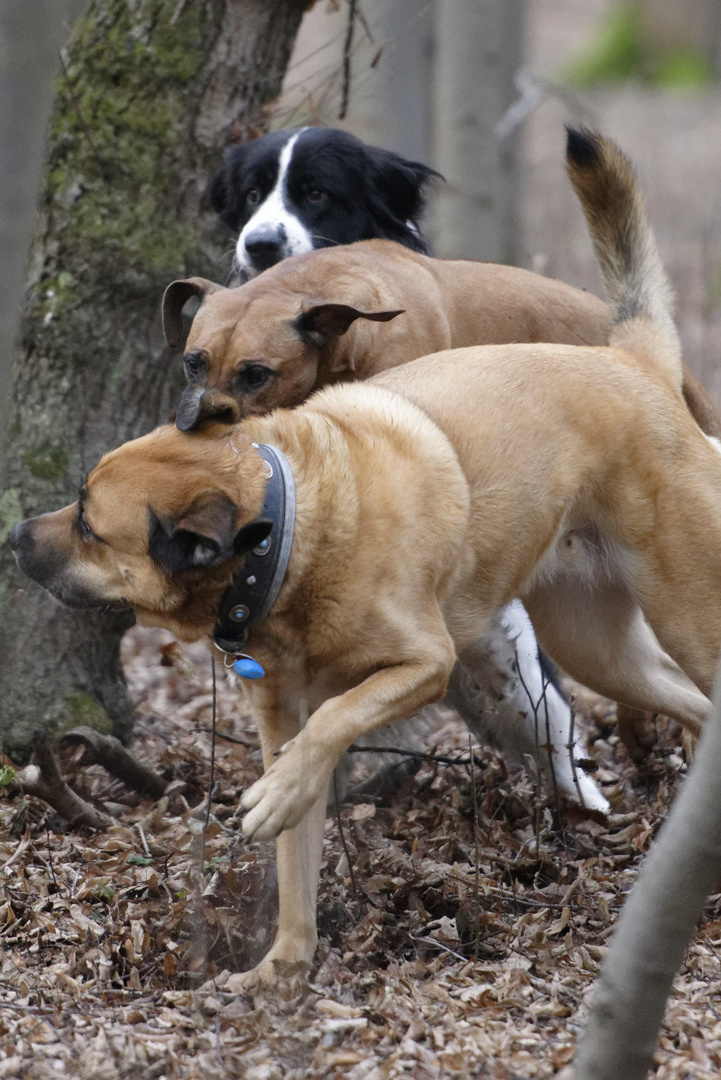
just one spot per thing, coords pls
(203, 535)
(175, 550)
(368, 192)
(582, 148)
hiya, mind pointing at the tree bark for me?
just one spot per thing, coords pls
(479, 49)
(149, 94)
(30, 35)
(656, 924)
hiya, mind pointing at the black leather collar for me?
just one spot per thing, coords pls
(254, 589)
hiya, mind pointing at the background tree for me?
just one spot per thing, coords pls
(30, 36)
(149, 94)
(478, 53)
(656, 924)
(431, 81)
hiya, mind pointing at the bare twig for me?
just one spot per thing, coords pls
(230, 738)
(571, 749)
(415, 754)
(476, 897)
(50, 860)
(537, 777)
(211, 781)
(347, 46)
(341, 832)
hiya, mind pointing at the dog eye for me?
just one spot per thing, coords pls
(255, 376)
(314, 195)
(253, 197)
(193, 362)
(86, 533)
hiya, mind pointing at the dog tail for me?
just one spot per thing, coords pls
(639, 294)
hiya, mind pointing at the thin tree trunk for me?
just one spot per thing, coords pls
(150, 93)
(31, 32)
(479, 49)
(656, 924)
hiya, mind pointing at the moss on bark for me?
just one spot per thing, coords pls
(148, 96)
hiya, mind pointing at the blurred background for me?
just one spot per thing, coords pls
(481, 91)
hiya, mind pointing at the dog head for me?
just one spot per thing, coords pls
(160, 526)
(258, 347)
(292, 191)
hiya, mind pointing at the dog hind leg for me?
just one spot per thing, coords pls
(501, 692)
(598, 634)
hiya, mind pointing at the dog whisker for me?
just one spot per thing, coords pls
(326, 239)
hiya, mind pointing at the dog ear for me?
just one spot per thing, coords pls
(318, 324)
(176, 297)
(202, 536)
(224, 191)
(404, 183)
(196, 406)
(252, 534)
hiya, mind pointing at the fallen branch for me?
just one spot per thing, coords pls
(43, 780)
(109, 752)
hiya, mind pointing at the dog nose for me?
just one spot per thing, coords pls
(265, 246)
(18, 535)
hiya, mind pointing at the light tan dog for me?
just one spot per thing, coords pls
(353, 311)
(427, 498)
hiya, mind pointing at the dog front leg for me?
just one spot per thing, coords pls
(300, 776)
(298, 855)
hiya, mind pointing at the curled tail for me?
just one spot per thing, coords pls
(638, 291)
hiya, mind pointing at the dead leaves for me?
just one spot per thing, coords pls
(460, 953)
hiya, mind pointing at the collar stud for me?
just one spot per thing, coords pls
(238, 613)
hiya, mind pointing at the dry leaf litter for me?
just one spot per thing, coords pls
(461, 926)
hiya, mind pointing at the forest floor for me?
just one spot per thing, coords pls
(461, 925)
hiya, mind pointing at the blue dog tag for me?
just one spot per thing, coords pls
(248, 668)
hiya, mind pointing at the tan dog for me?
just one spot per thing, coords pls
(427, 498)
(325, 317)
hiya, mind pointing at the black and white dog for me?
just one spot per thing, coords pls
(292, 191)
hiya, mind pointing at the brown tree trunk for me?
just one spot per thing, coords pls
(149, 94)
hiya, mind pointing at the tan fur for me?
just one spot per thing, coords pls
(426, 500)
(446, 304)
(429, 497)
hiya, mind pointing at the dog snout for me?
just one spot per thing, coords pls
(37, 557)
(265, 246)
(21, 539)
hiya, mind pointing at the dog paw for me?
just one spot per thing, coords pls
(265, 974)
(281, 798)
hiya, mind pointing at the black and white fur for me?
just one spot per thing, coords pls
(292, 191)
